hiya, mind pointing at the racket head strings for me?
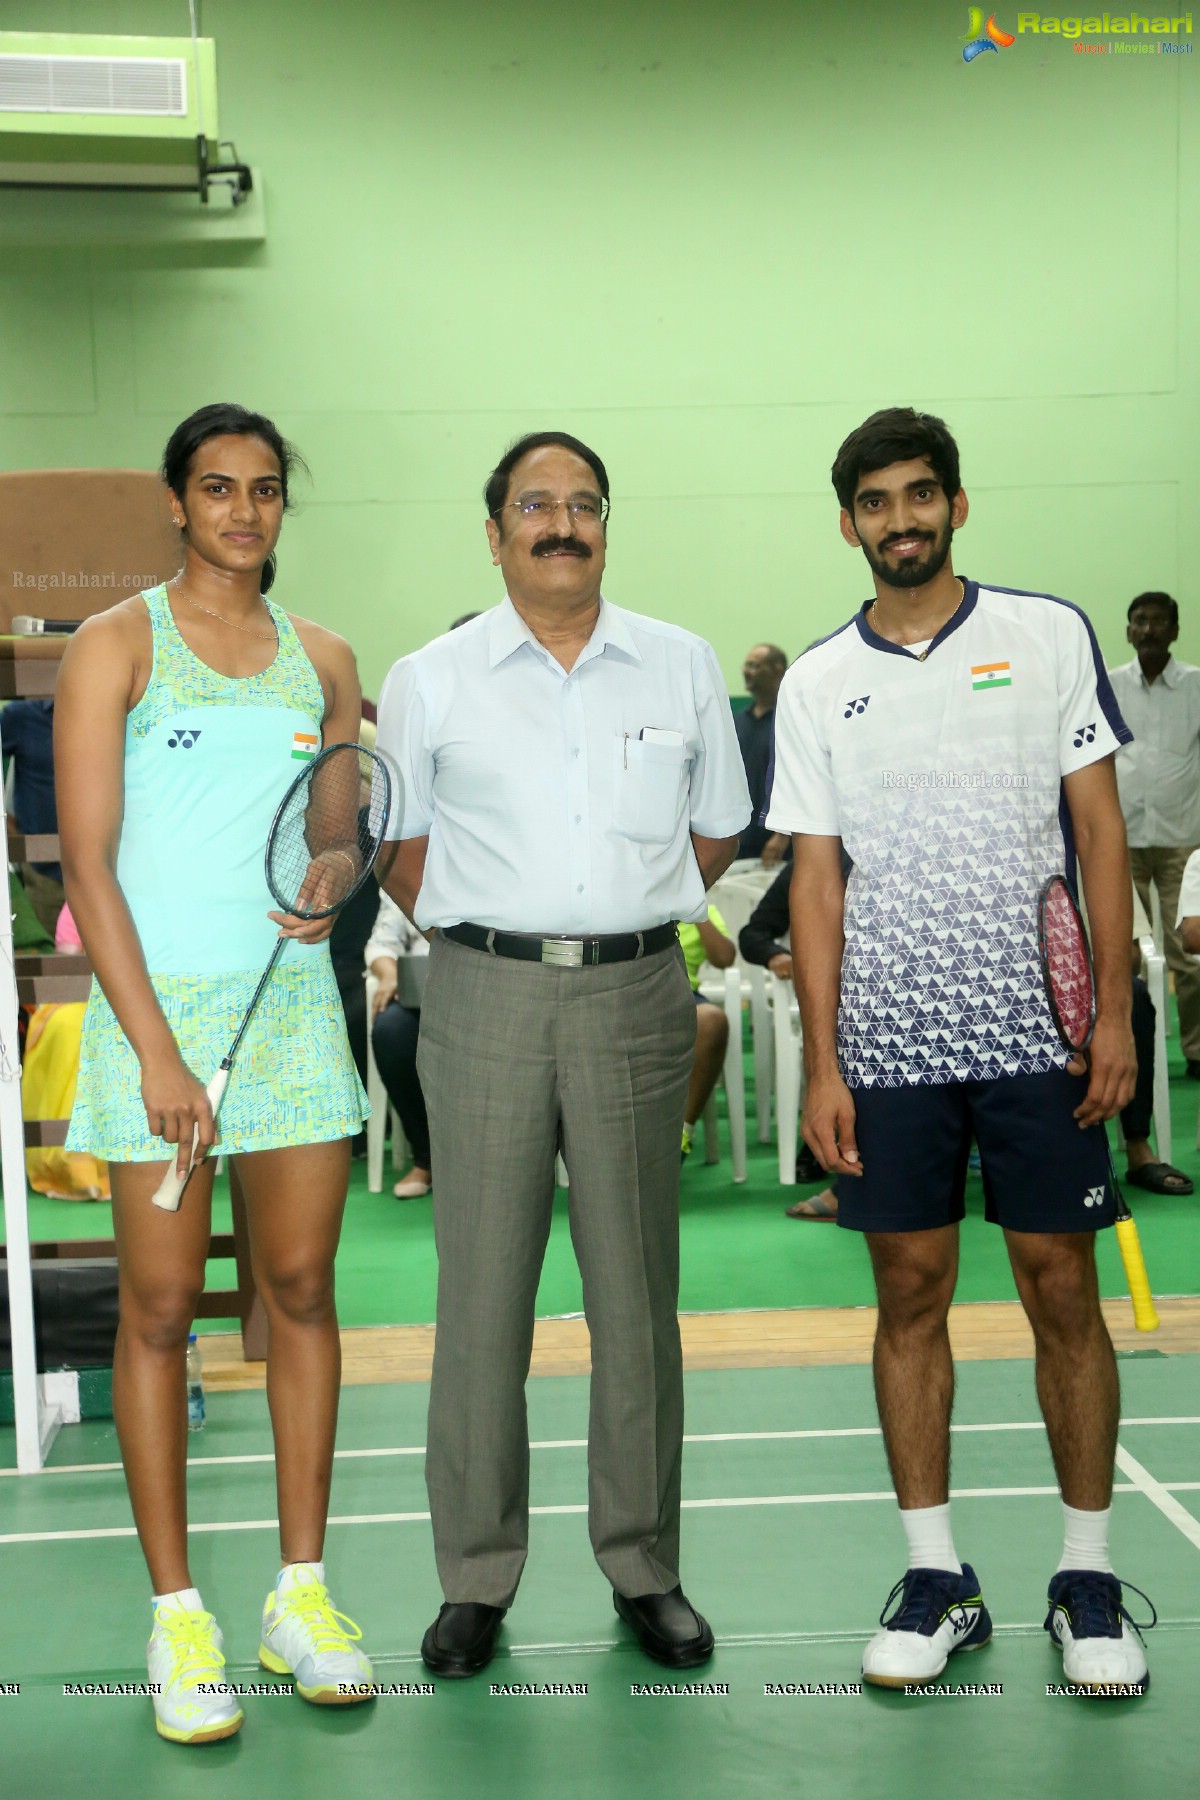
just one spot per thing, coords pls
(1066, 964)
(328, 831)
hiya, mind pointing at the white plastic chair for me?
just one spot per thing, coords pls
(1154, 974)
(789, 1073)
(735, 898)
(377, 1096)
(724, 988)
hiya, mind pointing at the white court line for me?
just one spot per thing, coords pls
(703, 1437)
(412, 1518)
(1160, 1495)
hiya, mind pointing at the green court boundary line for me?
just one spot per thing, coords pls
(699, 1437)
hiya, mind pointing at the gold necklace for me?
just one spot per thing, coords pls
(232, 623)
(922, 654)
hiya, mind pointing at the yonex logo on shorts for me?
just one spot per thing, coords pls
(1084, 734)
(854, 707)
(183, 739)
(1094, 1197)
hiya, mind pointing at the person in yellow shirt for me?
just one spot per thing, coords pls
(705, 942)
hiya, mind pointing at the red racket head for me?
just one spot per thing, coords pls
(1066, 964)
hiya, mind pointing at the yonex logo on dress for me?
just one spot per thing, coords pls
(1084, 734)
(1094, 1197)
(857, 706)
(184, 739)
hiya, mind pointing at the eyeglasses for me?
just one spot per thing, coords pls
(583, 509)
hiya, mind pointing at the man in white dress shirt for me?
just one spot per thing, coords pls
(1158, 778)
(570, 786)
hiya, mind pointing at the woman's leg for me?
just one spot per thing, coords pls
(394, 1038)
(294, 1204)
(160, 1259)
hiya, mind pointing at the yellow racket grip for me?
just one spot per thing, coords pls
(1144, 1315)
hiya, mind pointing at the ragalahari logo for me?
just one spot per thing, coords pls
(984, 37)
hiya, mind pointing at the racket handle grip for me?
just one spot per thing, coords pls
(169, 1191)
(1144, 1315)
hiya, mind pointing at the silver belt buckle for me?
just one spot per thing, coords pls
(563, 953)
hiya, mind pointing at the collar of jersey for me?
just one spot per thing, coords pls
(874, 642)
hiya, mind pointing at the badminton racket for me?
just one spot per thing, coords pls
(321, 848)
(1066, 961)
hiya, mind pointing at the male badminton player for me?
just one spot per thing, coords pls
(182, 716)
(959, 740)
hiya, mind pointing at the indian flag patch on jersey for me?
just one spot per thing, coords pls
(990, 675)
(304, 746)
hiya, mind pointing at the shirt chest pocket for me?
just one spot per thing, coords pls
(1176, 733)
(647, 789)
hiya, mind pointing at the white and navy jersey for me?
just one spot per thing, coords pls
(943, 778)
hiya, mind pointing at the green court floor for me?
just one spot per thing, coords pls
(791, 1544)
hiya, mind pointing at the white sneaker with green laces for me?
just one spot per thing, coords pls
(305, 1637)
(186, 1660)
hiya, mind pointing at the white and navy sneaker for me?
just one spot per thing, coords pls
(305, 1637)
(938, 1613)
(1103, 1652)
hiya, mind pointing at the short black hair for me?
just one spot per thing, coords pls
(225, 418)
(1155, 599)
(495, 489)
(897, 434)
(775, 656)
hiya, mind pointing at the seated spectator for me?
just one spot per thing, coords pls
(707, 941)
(763, 940)
(49, 1075)
(394, 1032)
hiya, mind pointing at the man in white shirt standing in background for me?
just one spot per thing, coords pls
(570, 785)
(1158, 779)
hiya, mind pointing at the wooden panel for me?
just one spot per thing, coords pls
(78, 540)
(794, 1338)
(42, 1133)
(27, 680)
(32, 990)
(60, 1249)
(43, 849)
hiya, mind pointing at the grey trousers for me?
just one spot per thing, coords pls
(514, 1056)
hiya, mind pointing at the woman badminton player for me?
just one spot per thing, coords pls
(183, 715)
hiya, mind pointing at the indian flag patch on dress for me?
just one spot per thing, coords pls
(304, 746)
(990, 675)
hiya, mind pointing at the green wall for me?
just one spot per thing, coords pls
(708, 239)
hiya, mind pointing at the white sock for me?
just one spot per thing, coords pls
(1085, 1543)
(287, 1575)
(188, 1598)
(930, 1545)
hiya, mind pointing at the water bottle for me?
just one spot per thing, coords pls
(195, 1386)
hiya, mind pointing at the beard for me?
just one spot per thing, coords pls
(915, 571)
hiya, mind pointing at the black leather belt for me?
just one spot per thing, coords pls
(563, 952)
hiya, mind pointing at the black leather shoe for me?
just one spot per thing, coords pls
(668, 1628)
(462, 1639)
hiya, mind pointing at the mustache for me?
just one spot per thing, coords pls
(551, 546)
(903, 537)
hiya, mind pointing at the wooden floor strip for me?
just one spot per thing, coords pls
(798, 1337)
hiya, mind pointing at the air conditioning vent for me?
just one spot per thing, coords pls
(133, 86)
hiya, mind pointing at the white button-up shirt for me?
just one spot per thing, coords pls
(1158, 775)
(546, 808)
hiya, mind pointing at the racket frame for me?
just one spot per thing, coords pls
(1049, 887)
(169, 1192)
